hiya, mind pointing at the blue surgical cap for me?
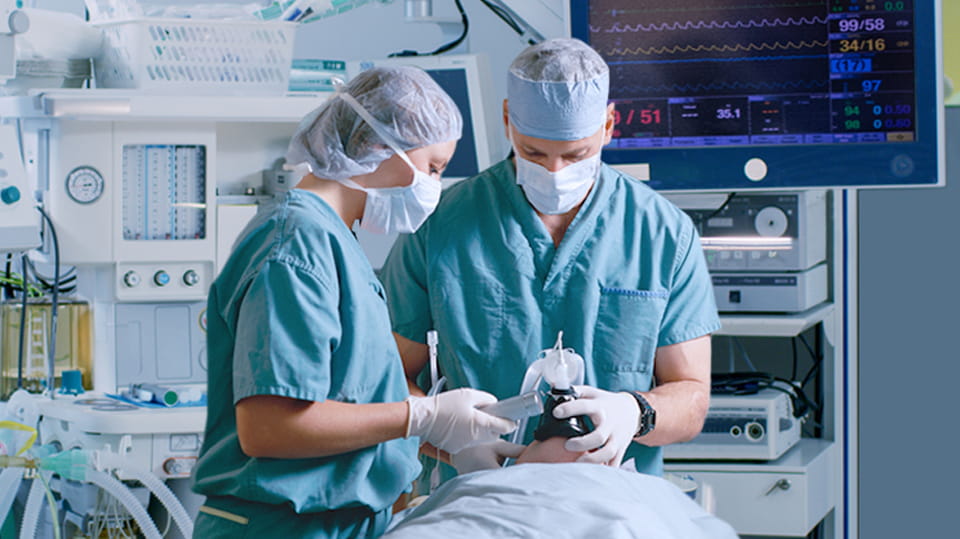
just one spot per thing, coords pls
(557, 90)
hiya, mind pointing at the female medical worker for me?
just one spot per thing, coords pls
(307, 426)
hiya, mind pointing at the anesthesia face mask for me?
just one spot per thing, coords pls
(561, 369)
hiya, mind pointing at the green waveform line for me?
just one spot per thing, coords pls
(717, 48)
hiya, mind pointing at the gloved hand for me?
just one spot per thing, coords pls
(486, 456)
(451, 421)
(615, 416)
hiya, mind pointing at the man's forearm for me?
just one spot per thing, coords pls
(681, 408)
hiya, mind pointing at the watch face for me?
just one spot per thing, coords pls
(84, 185)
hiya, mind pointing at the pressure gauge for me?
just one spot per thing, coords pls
(84, 185)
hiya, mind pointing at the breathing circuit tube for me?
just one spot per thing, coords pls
(163, 493)
(31, 513)
(9, 485)
(128, 500)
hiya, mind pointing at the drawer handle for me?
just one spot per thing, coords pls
(782, 484)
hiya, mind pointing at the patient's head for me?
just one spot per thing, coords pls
(549, 450)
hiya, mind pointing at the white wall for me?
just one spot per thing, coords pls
(375, 30)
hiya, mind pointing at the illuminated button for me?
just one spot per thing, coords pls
(10, 194)
(131, 279)
(190, 278)
(755, 169)
(161, 278)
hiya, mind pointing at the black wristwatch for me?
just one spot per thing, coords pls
(648, 416)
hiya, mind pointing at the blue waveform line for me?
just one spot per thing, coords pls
(700, 25)
(692, 60)
(735, 85)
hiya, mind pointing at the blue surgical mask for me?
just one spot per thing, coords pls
(394, 209)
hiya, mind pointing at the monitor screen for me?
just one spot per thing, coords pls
(463, 164)
(767, 94)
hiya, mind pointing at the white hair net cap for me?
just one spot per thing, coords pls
(557, 90)
(408, 106)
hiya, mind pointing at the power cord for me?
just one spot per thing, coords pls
(444, 48)
(751, 383)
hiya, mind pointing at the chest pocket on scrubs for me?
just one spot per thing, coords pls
(628, 323)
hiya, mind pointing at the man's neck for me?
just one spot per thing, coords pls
(558, 224)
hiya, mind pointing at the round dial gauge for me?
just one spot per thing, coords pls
(84, 185)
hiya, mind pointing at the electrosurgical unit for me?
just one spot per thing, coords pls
(761, 426)
(766, 251)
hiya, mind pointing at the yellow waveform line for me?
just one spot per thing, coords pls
(700, 9)
(717, 48)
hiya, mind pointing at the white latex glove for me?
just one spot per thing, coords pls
(615, 416)
(451, 421)
(487, 456)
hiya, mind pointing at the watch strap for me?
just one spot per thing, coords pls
(648, 416)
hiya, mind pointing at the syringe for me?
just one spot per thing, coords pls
(516, 408)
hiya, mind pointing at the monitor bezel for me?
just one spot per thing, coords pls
(789, 166)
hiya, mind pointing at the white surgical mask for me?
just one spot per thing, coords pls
(399, 209)
(556, 192)
(394, 209)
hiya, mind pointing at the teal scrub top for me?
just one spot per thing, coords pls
(298, 312)
(628, 277)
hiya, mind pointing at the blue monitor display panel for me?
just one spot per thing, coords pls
(735, 94)
(463, 164)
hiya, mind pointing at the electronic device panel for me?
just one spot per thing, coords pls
(730, 94)
(761, 426)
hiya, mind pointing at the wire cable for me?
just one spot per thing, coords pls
(503, 15)
(508, 19)
(443, 48)
(744, 354)
(23, 321)
(793, 370)
(54, 302)
(8, 289)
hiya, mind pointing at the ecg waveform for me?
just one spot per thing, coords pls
(618, 27)
(713, 7)
(728, 72)
(729, 47)
(672, 89)
(790, 45)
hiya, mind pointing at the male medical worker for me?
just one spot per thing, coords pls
(554, 240)
(309, 418)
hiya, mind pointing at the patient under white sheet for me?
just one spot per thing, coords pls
(559, 500)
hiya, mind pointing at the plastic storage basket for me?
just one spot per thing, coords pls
(198, 57)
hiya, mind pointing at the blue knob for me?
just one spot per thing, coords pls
(9, 195)
(161, 278)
